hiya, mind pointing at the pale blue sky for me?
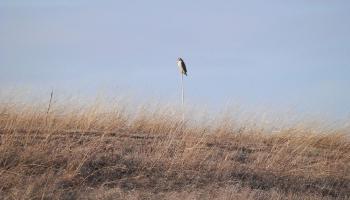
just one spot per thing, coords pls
(279, 54)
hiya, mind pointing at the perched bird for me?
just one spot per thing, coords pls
(182, 66)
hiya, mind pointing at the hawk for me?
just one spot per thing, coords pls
(182, 66)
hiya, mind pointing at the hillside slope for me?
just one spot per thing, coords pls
(90, 153)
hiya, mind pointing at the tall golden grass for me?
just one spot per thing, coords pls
(104, 151)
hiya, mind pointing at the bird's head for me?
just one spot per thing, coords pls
(179, 59)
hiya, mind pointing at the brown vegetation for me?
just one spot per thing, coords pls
(93, 152)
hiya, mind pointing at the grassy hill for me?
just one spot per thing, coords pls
(77, 152)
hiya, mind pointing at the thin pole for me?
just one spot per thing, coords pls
(182, 89)
(183, 97)
(50, 102)
(49, 107)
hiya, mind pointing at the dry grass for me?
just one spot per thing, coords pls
(103, 152)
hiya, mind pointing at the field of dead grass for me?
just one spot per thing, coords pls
(108, 152)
